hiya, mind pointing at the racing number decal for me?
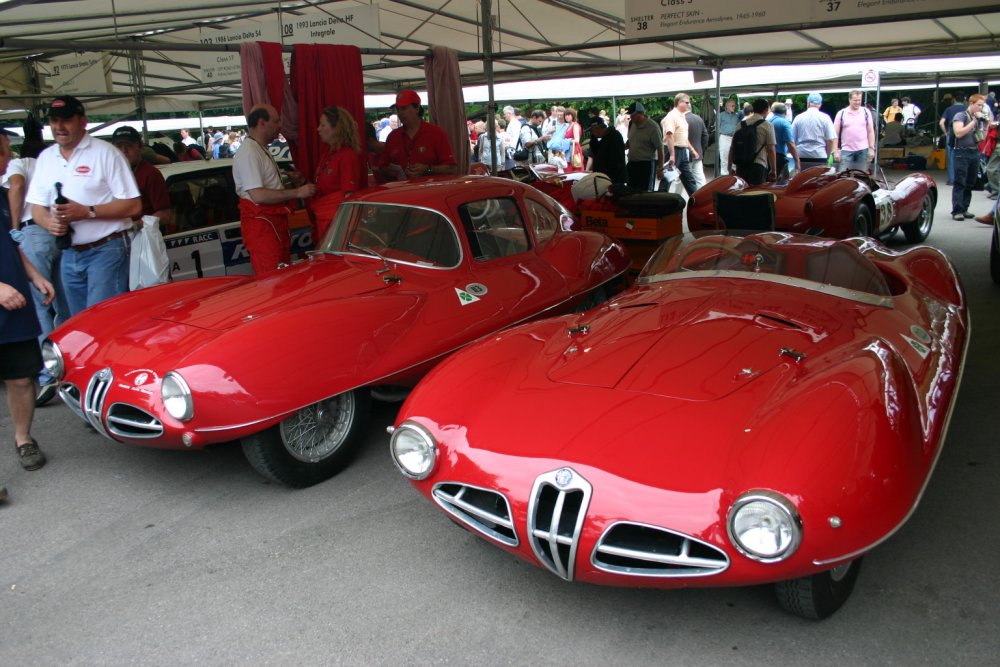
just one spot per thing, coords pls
(195, 256)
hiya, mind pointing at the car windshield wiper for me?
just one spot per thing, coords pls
(367, 250)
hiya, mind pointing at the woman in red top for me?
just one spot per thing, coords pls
(575, 132)
(339, 169)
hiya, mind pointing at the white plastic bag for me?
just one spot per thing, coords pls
(149, 264)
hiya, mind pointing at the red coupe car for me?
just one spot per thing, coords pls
(825, 202)
(406, 274)
(761, 408)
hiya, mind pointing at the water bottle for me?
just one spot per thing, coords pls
(65, 241)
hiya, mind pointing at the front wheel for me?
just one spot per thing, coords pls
(863, 222)
(920, 229)
(818, 596)
(312, 445)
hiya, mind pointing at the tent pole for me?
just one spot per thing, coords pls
(491, 105)
(719, 108)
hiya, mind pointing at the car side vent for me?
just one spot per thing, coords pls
(771, 320)
(649, 551)
(131, 422)
(70, 394)
(484, 511)
(556, 510)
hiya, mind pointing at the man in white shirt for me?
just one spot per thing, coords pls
(264, 199)
(101, 198)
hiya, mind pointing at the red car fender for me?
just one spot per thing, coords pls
(566, 253)
(833, 206)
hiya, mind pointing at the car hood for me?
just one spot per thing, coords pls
(699, 347)
(320, 280)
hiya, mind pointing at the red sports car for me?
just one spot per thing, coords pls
(825, 202)
(760, 408)
(406, 274)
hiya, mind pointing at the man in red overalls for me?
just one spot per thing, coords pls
(263, 198)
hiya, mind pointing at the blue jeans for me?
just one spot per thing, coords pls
(854, 160)
(949, 153)
(683, 155)
(40, 248)
(966, 161)
(91, 276)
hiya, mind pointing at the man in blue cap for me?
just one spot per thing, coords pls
(813, 132)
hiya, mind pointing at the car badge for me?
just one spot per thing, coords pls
(477, 289)
(918, 347)
(920, 334)
(464, 297)
(104, 374)
(564, 477)
(140, 379)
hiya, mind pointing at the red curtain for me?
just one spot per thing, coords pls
(326, 75)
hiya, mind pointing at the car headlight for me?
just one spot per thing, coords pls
(764, 526)
(413, 450)
(176, 397)
(52, 358)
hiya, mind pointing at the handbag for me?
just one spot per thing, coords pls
(148, 262)
(521, 154)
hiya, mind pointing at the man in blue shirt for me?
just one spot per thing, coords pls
(729, 121)
(20, 357)
(946, 120)
(784, 144)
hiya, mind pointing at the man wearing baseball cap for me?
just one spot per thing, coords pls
(813, 132)
(101, 198)
(152, 185)
(415, 148)
(645, 149)
(608, 151)
(20, 355)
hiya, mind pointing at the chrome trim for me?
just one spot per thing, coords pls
(687, 565)
(944, 436)
(151, 427)
(93, 399)
(789, 281)
(70, 395)
(547, 540)
(426, 436)
(473, 516)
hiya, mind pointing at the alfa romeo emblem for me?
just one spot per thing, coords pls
(564, 476)
(140, 379)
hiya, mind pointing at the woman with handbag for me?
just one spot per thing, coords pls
(575, 155)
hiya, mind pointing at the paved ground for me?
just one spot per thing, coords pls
(116, 555)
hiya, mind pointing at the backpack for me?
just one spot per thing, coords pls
(745, 147)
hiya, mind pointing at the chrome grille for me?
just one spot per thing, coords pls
(485, 511)
(70, 395)
(93, 400)
(641, 550)
(131, 422)
(556, 510)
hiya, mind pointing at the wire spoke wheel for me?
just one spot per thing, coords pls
(315, 432)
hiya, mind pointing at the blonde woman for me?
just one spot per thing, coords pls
(338, 172)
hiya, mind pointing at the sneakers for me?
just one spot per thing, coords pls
(46, 393)
(31, 456)
(957, 216)
(985, 218)
(967, 215)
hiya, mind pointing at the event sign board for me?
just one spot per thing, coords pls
(670, 18)
(225, 65)
(76, 74)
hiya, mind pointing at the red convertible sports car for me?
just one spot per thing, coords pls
(760, 408)
(406, 274)
(825, 202)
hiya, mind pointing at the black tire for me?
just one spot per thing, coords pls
(918, 230)
(818, 596)
(995, 255)
(312, 445)
(863, 222)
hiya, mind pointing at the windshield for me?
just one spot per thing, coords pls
(398, 233)
(831, 266)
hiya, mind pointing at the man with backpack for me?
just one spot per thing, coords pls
(752, 155)
(856, 133)
(812, 131)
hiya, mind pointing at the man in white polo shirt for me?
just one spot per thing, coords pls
(102, 197)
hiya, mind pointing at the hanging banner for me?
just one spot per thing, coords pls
(76, 74)
(673, 18)
(356, 26)
(223, 66)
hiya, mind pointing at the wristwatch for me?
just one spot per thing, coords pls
(92, 213)
(17, 236)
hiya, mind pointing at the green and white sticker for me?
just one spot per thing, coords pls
(464, 297)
